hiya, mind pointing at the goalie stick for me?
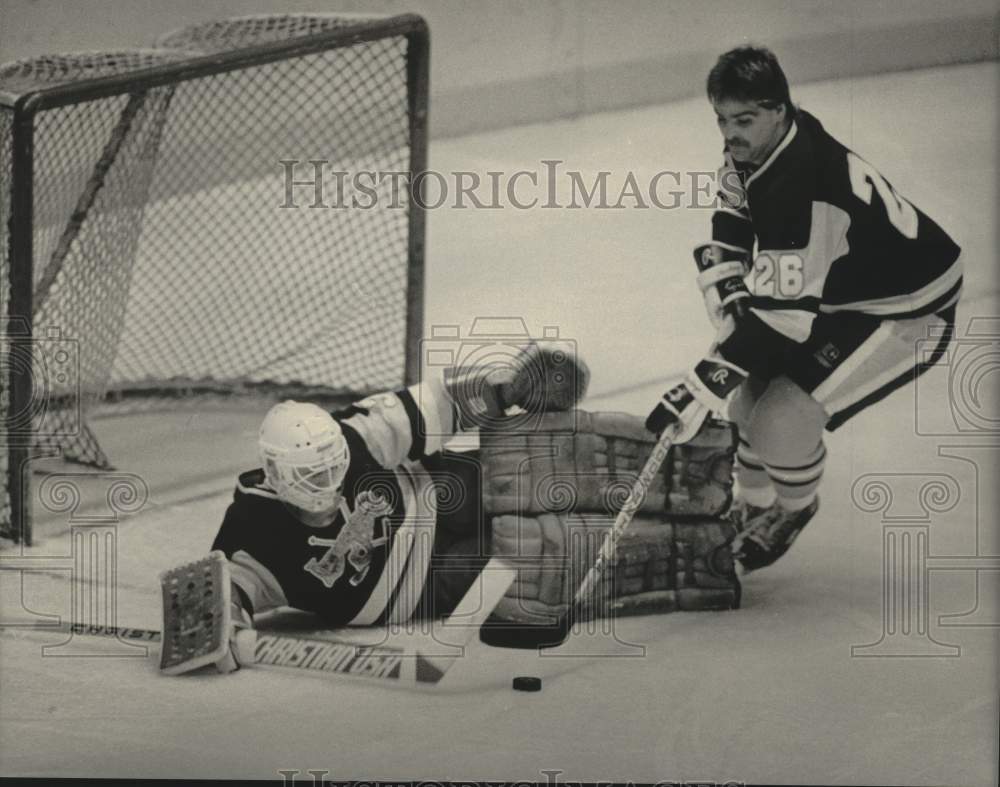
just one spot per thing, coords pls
(405, 660)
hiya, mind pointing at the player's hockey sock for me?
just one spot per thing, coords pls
(759, 497)
(796, 484)
(755, 487)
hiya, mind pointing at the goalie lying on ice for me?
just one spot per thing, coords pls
(363, 518)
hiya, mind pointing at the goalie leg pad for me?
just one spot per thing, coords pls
(575, 461)
(701, 472)
(587, 462)
(658, 566)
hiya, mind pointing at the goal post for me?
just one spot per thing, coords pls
(156, 238)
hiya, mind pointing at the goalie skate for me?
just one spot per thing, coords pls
(196, 614)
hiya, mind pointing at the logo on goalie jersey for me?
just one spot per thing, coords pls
(353, 544)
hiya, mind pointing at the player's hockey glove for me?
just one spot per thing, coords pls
(720, 278)
(704, 390)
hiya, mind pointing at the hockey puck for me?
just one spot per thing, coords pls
(527, 683)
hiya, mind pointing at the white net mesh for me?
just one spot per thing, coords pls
(166, 256)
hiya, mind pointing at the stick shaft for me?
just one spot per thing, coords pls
(636, 495)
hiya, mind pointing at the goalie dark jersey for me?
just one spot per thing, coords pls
(832, 236)
(370, 565)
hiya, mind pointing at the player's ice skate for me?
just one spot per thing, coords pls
(742, 512)
(767, 535)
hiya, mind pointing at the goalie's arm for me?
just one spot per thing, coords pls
(417, 421)
(409, 423)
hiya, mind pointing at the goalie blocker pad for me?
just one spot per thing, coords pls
(197, 617)
(585, 462)
(658, 567)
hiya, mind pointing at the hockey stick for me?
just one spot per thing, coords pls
(395, 664)
(550, 636)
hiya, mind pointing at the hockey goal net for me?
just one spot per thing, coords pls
(172, 224)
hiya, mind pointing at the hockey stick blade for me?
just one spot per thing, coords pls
(500, 634)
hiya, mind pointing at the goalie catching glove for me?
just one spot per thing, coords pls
(704, 390)
(540, 377)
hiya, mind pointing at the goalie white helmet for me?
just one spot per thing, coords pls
(304, 454)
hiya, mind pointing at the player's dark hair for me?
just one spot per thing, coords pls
(750, 73)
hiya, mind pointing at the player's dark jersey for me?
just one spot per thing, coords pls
(830, 234)
(370, 564)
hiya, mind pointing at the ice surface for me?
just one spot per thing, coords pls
(768, 693)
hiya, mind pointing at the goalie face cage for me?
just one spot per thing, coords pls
(148, 243)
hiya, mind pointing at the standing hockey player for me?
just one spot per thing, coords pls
(846, 277)
(342, 518)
